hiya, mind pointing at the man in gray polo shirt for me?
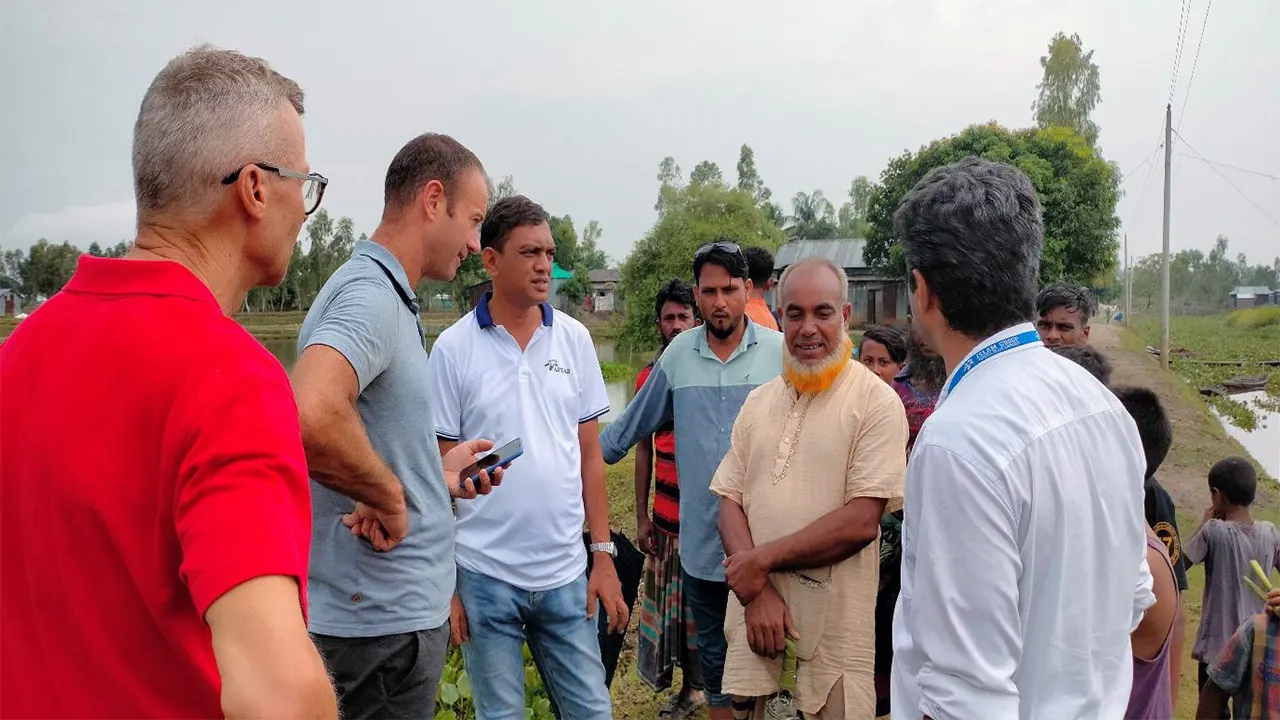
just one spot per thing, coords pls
(382, 569)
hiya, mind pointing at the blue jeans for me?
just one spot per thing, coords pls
(561, 638)
(708, 600)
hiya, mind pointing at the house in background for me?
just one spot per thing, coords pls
(558, 278)
(10, 301)
(877, 298)
(1247, 297)
(602, 297)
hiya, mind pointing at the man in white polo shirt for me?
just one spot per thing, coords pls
(516, 368)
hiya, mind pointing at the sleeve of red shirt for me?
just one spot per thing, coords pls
(642, 376)
(242, 502)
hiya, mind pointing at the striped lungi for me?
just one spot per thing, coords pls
(667, 638)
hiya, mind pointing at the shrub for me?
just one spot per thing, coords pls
(1258, 317)
(453, 698)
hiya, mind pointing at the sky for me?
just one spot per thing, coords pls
(579, 101)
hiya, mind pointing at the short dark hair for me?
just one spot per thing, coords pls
(1236, 479)
(430, 156)
(734, 263)
(1066, 295)
(974, 232)
(506, 215)
(676, 291)
(893, 340)
(1087, 357)
(1153, 425)
(759, 265)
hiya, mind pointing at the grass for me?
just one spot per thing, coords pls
(615, 371)
(1249, 336)
(1259, 317)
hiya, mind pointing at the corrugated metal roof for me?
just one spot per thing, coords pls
(604, 275)
(845, 252)
(1246, 292)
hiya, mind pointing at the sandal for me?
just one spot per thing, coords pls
(679, 707)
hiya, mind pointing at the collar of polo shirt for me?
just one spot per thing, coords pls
(485, 318)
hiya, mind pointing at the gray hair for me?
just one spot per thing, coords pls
(208, 113)
(824, 262)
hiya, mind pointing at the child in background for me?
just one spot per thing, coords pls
(1246, 670)
(1227, 541)
(1157, 643)
(883, 350)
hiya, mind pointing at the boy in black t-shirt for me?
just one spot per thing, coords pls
(1157, 436)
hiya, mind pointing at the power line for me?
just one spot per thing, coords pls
(1140, 165)
(1232, 167)
(1191, 80)
(1177, 51)
(1212, 166)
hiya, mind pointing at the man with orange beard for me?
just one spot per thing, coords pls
(816, 455)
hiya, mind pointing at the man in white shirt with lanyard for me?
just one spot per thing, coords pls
(1024, 564)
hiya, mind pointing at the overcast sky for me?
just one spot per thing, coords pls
(579, 101)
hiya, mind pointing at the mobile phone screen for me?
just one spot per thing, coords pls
(497, 457)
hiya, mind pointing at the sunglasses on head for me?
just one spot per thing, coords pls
(723, 245)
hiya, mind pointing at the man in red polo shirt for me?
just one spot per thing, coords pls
(154, 505)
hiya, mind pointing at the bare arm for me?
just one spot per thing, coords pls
(735, 533)
(1212, 700)
(644, 475)
(339, 454)
(595, 498)
(268, 664)
(836, 536)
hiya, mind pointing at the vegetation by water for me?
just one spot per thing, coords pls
(1249, 336)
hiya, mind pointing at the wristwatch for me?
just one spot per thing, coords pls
(604, 547)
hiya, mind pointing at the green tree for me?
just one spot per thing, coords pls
(691, 217)
(48, 267)
(578, 287)
(590, 256)
(1070, 89)
(706, 174)
(1078, 194)
(853, 214)
(813, 217)
(670, 181)
(566, 237)
(14, 269)
(96, 250)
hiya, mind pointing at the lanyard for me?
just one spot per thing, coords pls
(990, 351)
(408, 300)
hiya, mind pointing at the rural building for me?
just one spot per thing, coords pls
(878, 298)
(1247, 297)
(602, 297)
(558, 278)
(10, 301)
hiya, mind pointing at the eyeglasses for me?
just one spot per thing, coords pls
(722, 245)
(313, 184)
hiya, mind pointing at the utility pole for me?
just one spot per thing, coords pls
(1128, 279)
(1164, 261)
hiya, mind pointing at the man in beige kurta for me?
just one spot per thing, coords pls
(816, 456)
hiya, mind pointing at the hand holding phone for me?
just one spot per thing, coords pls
(479, 475)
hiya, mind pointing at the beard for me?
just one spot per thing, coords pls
(725, 333)
(819, 376)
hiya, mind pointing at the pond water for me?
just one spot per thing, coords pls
(1263, 442)
(620, 391)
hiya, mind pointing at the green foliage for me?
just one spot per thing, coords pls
(690, 217)
(706, 174)
(1217, 338)
(591, 257)
(616, 371)
(453, 697)
(1259, 317)
(566, 237)
(813, 217)
(1078, 193)
(1197, 282)
(853, 214)
(578, 287)
(1070, 89)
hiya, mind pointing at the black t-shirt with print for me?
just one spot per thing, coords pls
(1162, 516)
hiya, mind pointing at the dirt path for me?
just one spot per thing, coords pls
(1198, 439)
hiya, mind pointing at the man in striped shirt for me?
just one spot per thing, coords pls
(700, 382)
(667, 638)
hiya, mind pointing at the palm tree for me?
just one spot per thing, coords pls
(813, 217)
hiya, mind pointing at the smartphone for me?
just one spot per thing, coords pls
(500, 457)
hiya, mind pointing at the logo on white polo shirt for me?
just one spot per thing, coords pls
(553, 366)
